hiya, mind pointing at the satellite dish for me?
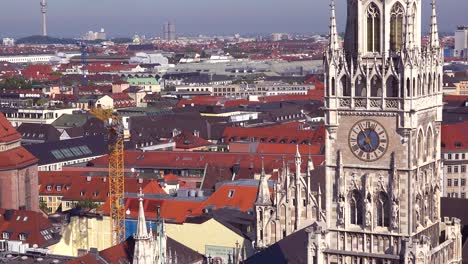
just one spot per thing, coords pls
(35, 246)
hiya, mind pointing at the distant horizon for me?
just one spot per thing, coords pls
(120, 18)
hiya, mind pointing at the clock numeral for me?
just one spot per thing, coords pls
(361, 154)
(381, 132)
(383, 140)
(368, 156)
(381, 149)
(355, 148)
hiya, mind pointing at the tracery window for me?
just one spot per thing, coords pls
(383, 210)
(355, 208)
(373, 28)
(396, 27)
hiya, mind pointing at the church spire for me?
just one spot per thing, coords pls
(434, 38)
(141, 232)
(263, 194)
(408, 27)
(334, 45)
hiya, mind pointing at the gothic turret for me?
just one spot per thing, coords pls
(263, 194)
(434, 37)
(144, 243)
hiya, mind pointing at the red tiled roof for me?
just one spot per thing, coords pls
(29, 223)
(198, 160)
(454, 136)
(271, 148)
(81, 187)
(187, 140)
(242, 197)
(7, 131)
(266, 134)
(171, 178)
(173, 210)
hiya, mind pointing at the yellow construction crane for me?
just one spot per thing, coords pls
(115, 129)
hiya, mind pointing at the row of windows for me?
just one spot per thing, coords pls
(455, 195)
(455, 182)
(454, 169)
(374, 25)
(455, 156)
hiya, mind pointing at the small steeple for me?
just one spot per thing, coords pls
(310, 163)
(263, 194)
(408, 26)
(434, 38)
(141, 232)
(334, 45)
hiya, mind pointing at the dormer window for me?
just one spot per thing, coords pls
(22, 236)
(59, 188)
(6, 235)
(81, 193)
(231, 193)
(49, 187)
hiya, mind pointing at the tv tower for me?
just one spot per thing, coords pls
(44, 16)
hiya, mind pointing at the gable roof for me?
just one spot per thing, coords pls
(71, 149)
(40, 132)
(123, 253)
(290, 250)
(7, 131)
(454, 136)
(32, 225)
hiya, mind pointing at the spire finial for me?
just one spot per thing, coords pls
(263, 194)
(333, 33)
(263, 166)
(141, 232)
(434, 28)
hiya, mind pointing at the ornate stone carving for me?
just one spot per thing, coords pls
(395, 213)
(368, 210)
(341, 209)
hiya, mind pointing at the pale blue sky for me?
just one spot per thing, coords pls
(125, 17)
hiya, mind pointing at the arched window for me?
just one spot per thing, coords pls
(408, 87)
(420, 145)
(333, 86)
(396, 27)
(373, 28)
(423, 84)
(272, 232)
(419, 86)
(430, 143)
(392, 86)
(438, 83)
(376, 87)
(429, 86)
(355, 208)
(345, 86)
(414, 24)
(361, 87)
(383, 210)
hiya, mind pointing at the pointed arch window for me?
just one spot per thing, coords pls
(373, 28)
(396, 27)
(355, 208)
(383, 210)
(430, 144)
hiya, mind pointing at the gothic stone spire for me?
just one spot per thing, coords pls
(434, 38)
(263, 194)
(334, 45)
(141, 232)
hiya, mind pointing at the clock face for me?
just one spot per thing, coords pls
(368, 140)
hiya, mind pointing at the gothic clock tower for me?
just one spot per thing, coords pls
(383, 111)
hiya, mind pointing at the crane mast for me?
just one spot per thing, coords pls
(116, 171)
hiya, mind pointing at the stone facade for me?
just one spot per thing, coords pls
(294, 206)
(383, 112)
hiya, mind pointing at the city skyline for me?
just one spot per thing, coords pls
(72, 19)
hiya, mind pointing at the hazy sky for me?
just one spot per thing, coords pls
(125, 17)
